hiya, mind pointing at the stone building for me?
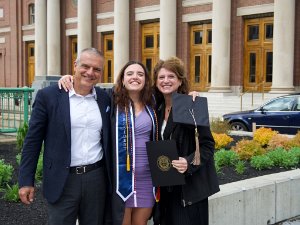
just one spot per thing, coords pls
(226, 45)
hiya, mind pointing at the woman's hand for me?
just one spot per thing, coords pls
(194, 94)
(181, 165)
(66, 82)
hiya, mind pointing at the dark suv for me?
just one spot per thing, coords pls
(281, 114)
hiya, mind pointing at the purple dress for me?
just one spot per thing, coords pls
(143, 195)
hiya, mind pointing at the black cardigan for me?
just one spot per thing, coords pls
(202, 180)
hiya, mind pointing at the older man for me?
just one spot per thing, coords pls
(75, 129)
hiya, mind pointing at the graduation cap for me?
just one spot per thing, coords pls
(190, 112)
(187, 111)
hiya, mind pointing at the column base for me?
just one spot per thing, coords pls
(226, 89)
(283, 90)
(44, 81)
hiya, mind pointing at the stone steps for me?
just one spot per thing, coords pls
(222, 103)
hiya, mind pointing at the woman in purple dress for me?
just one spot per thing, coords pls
(134, 121)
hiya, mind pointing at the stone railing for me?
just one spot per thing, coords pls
(257, 201)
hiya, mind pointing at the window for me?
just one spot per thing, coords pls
(253, 32)
(268, 31)
(209, 36)
(149, 40)
(281, 104)
(269, 66)
(252, 67)
(31, 13)
(109, 45)
(198, 37)
(1, 13)
(197, 69)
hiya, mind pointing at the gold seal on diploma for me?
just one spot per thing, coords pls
(163, 163)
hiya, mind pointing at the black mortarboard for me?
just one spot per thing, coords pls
(183, 109)
(160, 156)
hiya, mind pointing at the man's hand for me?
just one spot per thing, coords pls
(26, 194)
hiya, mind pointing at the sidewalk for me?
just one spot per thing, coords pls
(294, 221)
(8, 137)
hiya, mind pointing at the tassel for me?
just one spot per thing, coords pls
(196, 160)
(157, 195)
(128, 163)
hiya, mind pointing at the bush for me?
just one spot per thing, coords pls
(225, 158)
(240, 167)
(221, 140)
(39, 168)
(279, 141)
(18, 158)
(11, 194)
(263, 135)
(220, 127)
(295, 141)
(247, 149)
(21, 134)
(295, 152)
(282, 158)
(6, 171)
(261, 162)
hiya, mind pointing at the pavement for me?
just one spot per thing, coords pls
(293, 221)
(8, 137)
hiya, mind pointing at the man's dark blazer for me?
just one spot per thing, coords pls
(50, 123)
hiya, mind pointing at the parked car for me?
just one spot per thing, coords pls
(281, 114)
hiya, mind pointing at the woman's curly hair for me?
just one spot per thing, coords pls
(176, 66)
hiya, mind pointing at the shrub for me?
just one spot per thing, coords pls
(295, 141)
(263, 135)
(225, 158)
(295, 152)
(261, 162)
(247, 149)
(39, 168)
(218, 168)
(279, 141)
(219, 126)
(240, 167)
(21, 133)
(282, 158)
(11, 194)
(6, 171)
(18, 158)
(221, 140)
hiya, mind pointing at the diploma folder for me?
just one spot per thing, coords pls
(160, 155)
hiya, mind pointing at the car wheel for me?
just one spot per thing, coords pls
(238, 126)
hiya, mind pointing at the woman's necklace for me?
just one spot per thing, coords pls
(167, 112)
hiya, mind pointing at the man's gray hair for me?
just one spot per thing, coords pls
(91, 51)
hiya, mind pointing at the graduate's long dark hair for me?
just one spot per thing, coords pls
(121, 96)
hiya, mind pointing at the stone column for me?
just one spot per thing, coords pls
(167, 29)
(53, 38)
(84, 24)
(220, 46)
(283, 46)
(121, 35)
(40, 37)
(47, 44)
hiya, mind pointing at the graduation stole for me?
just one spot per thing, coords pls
(125, 149)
